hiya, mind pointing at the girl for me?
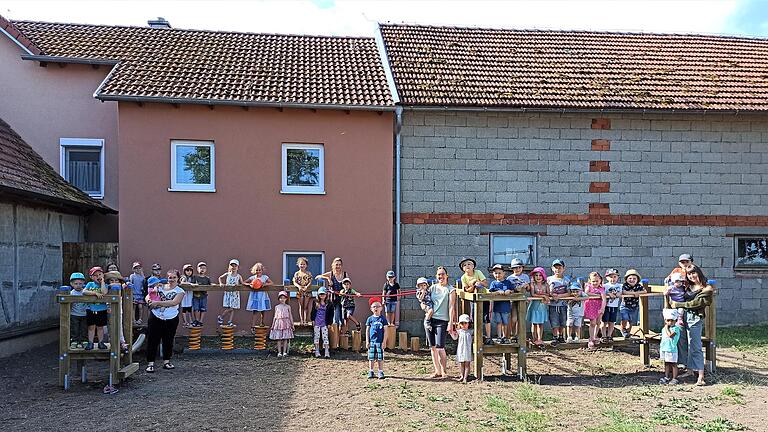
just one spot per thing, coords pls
(282, 325)
(334, 278)
(538, 310)
(464, 349)
(231, 298)
(186, 305)
(321, 317)
(302, 279)
(163, 321)
(258, 299)
(594, 307)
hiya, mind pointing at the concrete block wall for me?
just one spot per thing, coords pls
(30, 261)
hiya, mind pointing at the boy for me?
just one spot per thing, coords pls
(471, 281)
(389, 293)
(630, 307)
(96, 314)
(613, 295)
(558, 309)
(374, 338)
(670, 335)
(425, 301)
(348, 295)
(575, 316)
(200, 298)
(500, 308)
(138, 284)
(676, 293)
(520, 283)
(78, 323)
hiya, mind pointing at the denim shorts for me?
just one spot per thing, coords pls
(631, 315)
(349, 311)
(200, 304)
(610, 314)
(391, 306)
(558, 316)
(501, 318)
(436, 337)
(376, 351)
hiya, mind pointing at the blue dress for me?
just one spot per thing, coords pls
(538, 312)
(258, 300)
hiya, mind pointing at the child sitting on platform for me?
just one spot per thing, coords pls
(670, 335)
(464, 348)
(348, 295)
(374, 338)
(258, 299)
(501, 309)
(613, 296)
(231, 298)
(575, 316)
(302, 279)
(282, 325)
(322, 317)
(425, 301)
(96, 315)
(78, 323)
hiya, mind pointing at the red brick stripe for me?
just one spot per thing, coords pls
(580, 219)
(599, 187)
(601, 123)
(599, 166)
(601, 144)
(599, 209)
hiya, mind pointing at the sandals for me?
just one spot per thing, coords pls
(150, 369)
(168, 366)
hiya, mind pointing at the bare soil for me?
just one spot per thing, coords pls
(571, 390)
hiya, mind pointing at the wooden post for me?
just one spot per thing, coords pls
(114, 341)
(333, 335)
(415, 344)
(344, 342)
(402, 342)
(356, 340)
(522, 348)
(64, 337)
(710, 331)
(127, 314)
(645, 348)
(477, 346)
(389, 337)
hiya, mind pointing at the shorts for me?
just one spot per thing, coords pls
(436, 337)
(391, 306)
(186, 309)
(668, 357)
(558, 316)
(200, 304)
(375, 351)
(610, 314)
(574, 321)
(349, 311)
(631, 315)
(501, 318)
(96, 318)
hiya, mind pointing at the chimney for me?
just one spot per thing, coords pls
(160, 22)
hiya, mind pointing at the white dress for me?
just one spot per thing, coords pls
(464, 350)
(232, 298)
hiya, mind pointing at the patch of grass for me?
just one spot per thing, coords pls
(671, 417)
(498, 405)
(720, 424)
(439, 398)
(753, 338)
(733, 394)
(512, 420)
(533, 395)
(647, 391)
(422, 370)
(409, 404)
(621, 422)
(372, 386)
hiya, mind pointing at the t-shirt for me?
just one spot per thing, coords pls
(320, 315)
(136, 282)
(95, 307)
(347, 301)
(615, 289)
(558, 286)
(200, 280)
(78, 309)
(496, 286)
(478, 275)
(632, 302)
(677, 294)
(441, 299)
(519, 280)
(376, 326)
(669, 344)
(169, 312)
(390, 291)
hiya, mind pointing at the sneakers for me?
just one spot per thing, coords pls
(102, 346)
(503, 341)
(89, 346)
(231, 324)
(488, 341)
(561, 339)
(317, 354)
(220, 320)
(674, 381)
(279, 355)
(370, 374)
(110, 389)
(570, 340)
(327, 354)
(664, 380)
(381, 374)
(73, 345)
(576, 339)
(625, 334)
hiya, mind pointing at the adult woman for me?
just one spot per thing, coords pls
(163, 320)
(700, 295)
(334, 278)
(443, 319)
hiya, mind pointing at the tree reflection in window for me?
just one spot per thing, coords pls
(303, 167)
(197, 164)
(752, 252)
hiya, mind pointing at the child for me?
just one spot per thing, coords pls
(348, 295)
(152, 288)
(575, 316)
(425, 301)
(501, 308)
(538, 309)
(676, 293)
(186, 302)
(613, 296)
(78, 323)
(594, 307)
(322, 317)
(464, 348)
(670, 335)
(157, 271)
(302, 279)
(630, 307)
(200, 298)
(258, 299)
(282, 325)
(96, 314)
(231, 298)
(473, 280)
(520, 283)
(374, 338)
(389, 293)
(138, 284)
(558, 309)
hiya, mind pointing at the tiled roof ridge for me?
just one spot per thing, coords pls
(715, 36)
(175, 29)
(10, 28)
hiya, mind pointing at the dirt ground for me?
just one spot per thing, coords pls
(570, 390)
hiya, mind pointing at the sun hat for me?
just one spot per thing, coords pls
(76, 276)
(283, 293)
(461, 263)
(187, 266)
(516, 262)
(685, 257)
(94, 270)
(113, 275)
(497, 267)
(464, 318)
(559, 262)
(670, 314)
(345, 280)
(539, 270)
(135, 264)
(422, 280)
(677, 276)
(154, 280)
(202, 263)
(611, 271)
(322, 290)
(390, 274)
(234, 261)
(631, 272)
(156, 266)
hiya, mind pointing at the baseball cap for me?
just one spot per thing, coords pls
(94, 270)
(136, 264)
(187, 266)
(374, 300)
(282, 293)
(464, 318)
(154, 280)
(322, 290)
(346, 279)
(75, 276)
(202, 263)
(390, 274)
(497, 267)
(611, 271)
(234, 261)
(422, 280)
(685, 257)
(516, 262)
(574, 286)
(558, 262)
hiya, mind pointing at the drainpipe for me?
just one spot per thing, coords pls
(398, 125)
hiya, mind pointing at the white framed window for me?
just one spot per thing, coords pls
(82, 164)
(193, 166)
(751, 252)
(505, 247)
(316, 264)
(303, 169)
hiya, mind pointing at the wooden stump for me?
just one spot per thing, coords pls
(333, 335)
(402, 342)
(356, 340)
(389, 336)
(344, 342)
(415, 344)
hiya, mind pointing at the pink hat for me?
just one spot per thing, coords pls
(94, 270)
(539, 270)
(283, 293)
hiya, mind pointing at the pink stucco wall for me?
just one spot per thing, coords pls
(247, 217)
(44, 104)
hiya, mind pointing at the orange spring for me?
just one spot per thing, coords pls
(227, 337)
(195, 336)
(260, 339)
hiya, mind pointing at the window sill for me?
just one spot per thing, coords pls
(757, 273)
(191, 190)
(290, 192)
(97, 196)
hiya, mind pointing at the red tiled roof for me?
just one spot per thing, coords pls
(472, 67)
(223, 67)
(9, 28)
(24, 172)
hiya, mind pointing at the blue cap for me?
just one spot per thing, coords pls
(558, 262)
(575, 286)
(154, 280)
(75, 276)
(322, 290)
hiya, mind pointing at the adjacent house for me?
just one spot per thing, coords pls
(604, 149)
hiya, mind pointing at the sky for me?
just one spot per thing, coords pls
(358, 18)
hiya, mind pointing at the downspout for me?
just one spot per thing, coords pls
(398, 125)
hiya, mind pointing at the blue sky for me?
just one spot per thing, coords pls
(345, 17)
